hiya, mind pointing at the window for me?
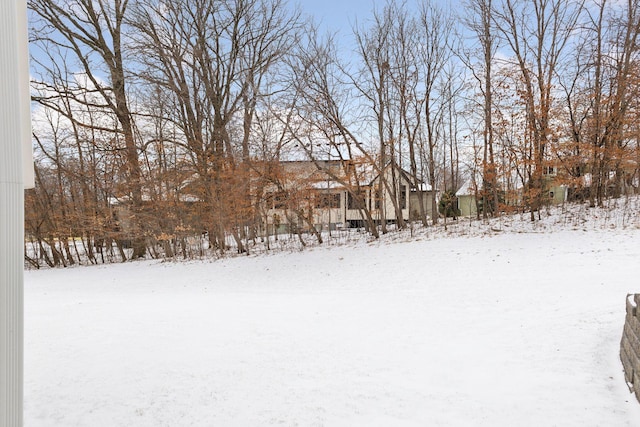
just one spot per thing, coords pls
(403, 197)
(334, 200)
(276, 200)
(354, 202)
(377, 197)
(328, 200)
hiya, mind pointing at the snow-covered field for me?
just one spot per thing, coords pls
(496, 329)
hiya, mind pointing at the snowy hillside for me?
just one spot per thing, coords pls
(501, 324)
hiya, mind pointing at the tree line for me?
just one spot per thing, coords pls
(161, 123)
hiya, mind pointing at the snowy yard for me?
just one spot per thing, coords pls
(508, 330)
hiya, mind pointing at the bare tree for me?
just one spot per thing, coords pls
(614, 86)
(374, 84)
(406, 77)
(479, 20)
(92, 32)
(214, 60)
(436, 33)
(323, 109)
(537, 46)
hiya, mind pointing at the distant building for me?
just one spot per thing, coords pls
(332, 194)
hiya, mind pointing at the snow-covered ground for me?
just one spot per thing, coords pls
(498, 328)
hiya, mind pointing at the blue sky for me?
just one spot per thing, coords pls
(341, 15)
(338, 15)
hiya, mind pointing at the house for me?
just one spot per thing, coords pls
(334, 194)
(291, 196)
(466, 196)
(513, 194)
(556, 193)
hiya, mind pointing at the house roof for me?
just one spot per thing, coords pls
(421, 186)
(326, 185)
(467, 189)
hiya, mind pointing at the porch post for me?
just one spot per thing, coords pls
(15, 143)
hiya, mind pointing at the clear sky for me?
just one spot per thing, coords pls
(341, 15)
(338, 15)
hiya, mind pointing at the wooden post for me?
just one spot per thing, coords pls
(15, 143)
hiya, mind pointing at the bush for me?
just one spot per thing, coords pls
(448, 205)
